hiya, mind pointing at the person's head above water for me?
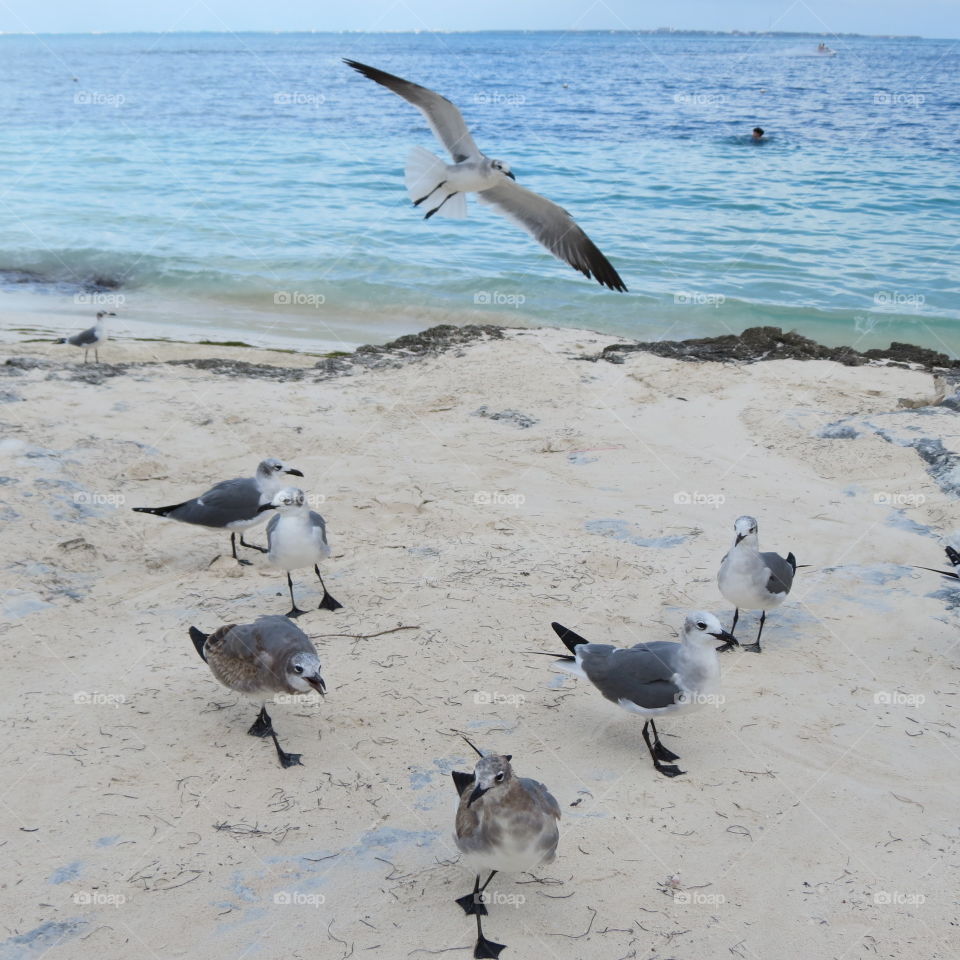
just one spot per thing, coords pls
(757, 133)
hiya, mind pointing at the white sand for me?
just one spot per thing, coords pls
(815, 820)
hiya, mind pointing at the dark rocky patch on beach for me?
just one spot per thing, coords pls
(67, 282)
(771, 343)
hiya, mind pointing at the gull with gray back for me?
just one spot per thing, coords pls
(752, 580)
(91, 338)
(297, 537)
(504, 823)
(443, 186)
(271, 655)
(231, 504)
(655, 679)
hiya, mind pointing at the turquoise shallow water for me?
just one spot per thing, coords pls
(251, 185)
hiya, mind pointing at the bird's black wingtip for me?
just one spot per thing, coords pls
(364, 68)
(611, 280)
(953, 556)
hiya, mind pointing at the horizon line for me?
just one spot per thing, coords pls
(656, 31)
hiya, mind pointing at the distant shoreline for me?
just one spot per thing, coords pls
(658, 32)
(753, 345)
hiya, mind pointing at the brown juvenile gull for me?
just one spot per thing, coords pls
(504, 823)
(653, 679)
(492, 180)
(753, 580)
(91, 338)
(270, 655)
(231, 504)
(297, 537)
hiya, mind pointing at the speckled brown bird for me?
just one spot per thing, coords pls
(504, 823)
(270, 655)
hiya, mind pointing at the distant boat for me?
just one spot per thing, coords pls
(824, 51)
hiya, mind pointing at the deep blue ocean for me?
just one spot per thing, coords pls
(250, 186)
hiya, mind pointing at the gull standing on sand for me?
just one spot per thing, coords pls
(270, 655)
(754, 580)
(653, 679)
(297, 537)
(445, 185)
(504, 823)
(91, 338)
(231, 504)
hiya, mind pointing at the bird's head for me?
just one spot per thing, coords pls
(491, 775)
(703, 629)
(303, 673)
(274, 469)
(745, 527)
(104, 313)
(500, 167)
(287, 500)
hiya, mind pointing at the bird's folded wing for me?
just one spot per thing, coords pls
(555, 229)
(781, 573)
(641, 675)
(319, 527)
(252, 643)
(543, 797)
(225, 503)
(444, 117)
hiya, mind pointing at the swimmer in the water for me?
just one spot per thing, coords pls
(758, 133)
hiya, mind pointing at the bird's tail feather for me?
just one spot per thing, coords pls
(424, 174)
(199, 639)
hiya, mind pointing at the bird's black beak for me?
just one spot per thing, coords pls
(317, 684)
(727, 638)
(478, 792)
(295, 473)
(509, 173)
(265, 506)
(740, 536)
(111, 314)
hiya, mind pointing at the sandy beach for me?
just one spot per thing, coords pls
(473, 494)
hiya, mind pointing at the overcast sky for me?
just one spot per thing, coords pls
(929, 18)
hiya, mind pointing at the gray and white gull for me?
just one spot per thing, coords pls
(232, 505)
(443, 186)
(752, 580)
(655, 679)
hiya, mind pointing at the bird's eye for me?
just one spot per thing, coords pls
(499, 778)
(701, 625)
(278, 466)
(298, 669)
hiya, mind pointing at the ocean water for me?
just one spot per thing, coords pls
(250, 186)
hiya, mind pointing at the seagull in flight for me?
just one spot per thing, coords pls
(443, 186)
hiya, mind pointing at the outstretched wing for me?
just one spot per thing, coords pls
(552, 226)
(444, 117)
